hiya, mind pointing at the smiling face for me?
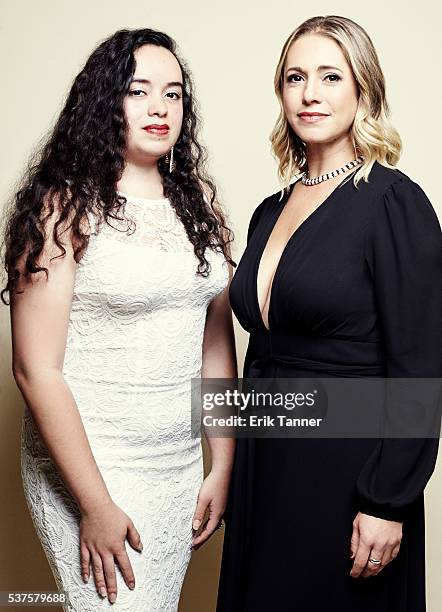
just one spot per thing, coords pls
(318, 79)
(153, 105)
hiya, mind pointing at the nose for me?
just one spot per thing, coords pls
(312, 91)
(157, 106)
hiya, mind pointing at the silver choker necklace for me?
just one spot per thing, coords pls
(329, 175)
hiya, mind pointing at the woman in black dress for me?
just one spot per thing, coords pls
(340, 278)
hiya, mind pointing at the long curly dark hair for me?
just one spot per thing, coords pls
(83, 159)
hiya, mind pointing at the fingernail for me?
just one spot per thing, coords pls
(196, 524)
(102, 591)
(140, 547)
(112, 597)
(131, 585)
(85, 578)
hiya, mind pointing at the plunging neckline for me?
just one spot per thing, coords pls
(287, 244)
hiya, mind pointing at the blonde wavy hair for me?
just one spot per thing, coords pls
(373, 135)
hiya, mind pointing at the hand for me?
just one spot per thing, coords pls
(212, 497)
(103, 532)
(373, 538)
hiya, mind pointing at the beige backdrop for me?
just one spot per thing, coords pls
(232, 49)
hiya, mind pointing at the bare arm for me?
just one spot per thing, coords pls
(219, 361)
(39, 325)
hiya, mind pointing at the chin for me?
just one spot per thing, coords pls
(154, 151)
(309, 137)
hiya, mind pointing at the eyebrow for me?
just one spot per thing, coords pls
(171, 84)
(299, 69)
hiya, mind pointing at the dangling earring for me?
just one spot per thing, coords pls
(171, 162)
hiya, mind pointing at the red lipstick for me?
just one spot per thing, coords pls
(157, 129)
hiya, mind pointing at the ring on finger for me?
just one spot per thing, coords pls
(375, 561)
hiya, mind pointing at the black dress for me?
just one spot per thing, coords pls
(357, 292)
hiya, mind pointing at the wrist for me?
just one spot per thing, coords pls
(92, 505)
(223, 470)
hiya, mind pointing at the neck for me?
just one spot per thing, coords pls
(141, 179)
(324, 157)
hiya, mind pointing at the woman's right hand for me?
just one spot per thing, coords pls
(103, 531)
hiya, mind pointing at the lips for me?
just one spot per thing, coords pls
(312, 115)
(157, 129)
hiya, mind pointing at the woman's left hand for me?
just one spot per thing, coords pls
(373, 538)
(212, 497)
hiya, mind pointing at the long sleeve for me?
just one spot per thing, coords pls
(403, 251)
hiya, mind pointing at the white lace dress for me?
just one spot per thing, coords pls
(134, 344)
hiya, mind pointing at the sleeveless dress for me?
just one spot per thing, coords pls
(134, 344)
(357, 293)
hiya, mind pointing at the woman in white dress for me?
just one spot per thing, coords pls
(118, 266)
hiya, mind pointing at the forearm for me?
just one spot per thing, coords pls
(220, 363)
(58, 420)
